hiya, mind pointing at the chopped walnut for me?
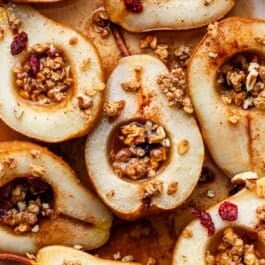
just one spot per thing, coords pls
(149, 41)
(73, 41)
(153, 189)
(101, 23)
(37, 171)
(172, 188)
(84, 102)
(117, 256)
(151, 261)
(114, 108)
(162, 52)
(260, 188)
(187, 233)
(182, 54)
(134, 84)
(213, 30)
(242, 81)
(10, 162)
(35, 153)
(183, 147)
(45, 77)
(233, 250)
(142, 149)
(234, 117)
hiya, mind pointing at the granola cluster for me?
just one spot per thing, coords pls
(24, 202)
(45, 76)
(242, 81)
(234, 250)
(140, 150)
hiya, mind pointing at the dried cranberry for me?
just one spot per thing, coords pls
(134, 6)
(206, 176)
(228, 211)
(205, 220)
(34, 63)
(19, 43)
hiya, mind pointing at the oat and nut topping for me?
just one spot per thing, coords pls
(140, 150)
(174, 83)
(23, 202)
(242, 81)
(45, 77)
(234, 250)
(113, 109)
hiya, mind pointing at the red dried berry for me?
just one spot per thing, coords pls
(19, 43)
(228, 211)
(205, 220)
(34, 63)
(134, 6)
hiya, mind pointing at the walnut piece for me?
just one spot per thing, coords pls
(114, 108)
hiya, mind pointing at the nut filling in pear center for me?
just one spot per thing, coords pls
(24, 202)
(241, 81)
(139, 149)
(44, 77)
(235, 246)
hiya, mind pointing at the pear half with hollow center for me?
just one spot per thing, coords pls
(234, 135)
(194, 243)
(52, 88)
(43, 202)
(60, 255)
(166, 15)
(145, 114)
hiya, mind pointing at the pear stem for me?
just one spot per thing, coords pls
(116, 32)
(16, 258)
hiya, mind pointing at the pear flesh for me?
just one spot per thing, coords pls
(81, 219)
(167, 15)
(53, 122)
(236, 147)
(127, 200)
(58, 255)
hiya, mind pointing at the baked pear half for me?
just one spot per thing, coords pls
(143, 156)
(61, 255)
(235, 234)
(42, 202)
(144, 15)
(226, 79)
(52, 83)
